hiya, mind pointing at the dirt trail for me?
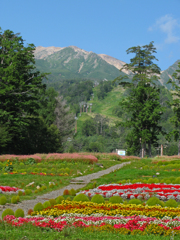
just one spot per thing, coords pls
(79, 182)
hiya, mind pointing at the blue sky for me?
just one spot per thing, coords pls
(101, 26)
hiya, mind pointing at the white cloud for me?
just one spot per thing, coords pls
(167, 24)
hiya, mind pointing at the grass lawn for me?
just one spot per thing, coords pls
(29, 232)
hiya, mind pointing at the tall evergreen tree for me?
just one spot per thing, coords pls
(175, 104)
(143, 100)
(20, 84)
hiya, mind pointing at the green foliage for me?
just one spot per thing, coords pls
(28, 191)
(30, 161)
(171, 203)
(97, 198)
(81, 197)
(3, 200)
(135, 201)
(19, 213)
(175, 104)
(14, 200)
(5, 137)
(38, 207)
(9, 166)
(20, 86)
(142, 103)
(46, 204)
(52, 202)
(115, 199)
(20, 193)
(68, 198)
(17, 198)
(153, 201)
(6, 212)
(59, 199)
(103, 88)
(72, 192)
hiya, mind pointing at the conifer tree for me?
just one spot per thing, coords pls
(143, 100)
(175, 104)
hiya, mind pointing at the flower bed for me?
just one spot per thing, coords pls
(52, 156)
(137, 190)
(89, 208)
(141, 223)
(7, 189)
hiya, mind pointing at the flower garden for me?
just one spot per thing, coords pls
(143, 204)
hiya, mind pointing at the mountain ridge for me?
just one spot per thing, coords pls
(73, 62)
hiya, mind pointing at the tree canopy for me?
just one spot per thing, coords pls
(142, 103)
(175, 104)
(24, 129)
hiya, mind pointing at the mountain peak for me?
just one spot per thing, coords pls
(43, 52)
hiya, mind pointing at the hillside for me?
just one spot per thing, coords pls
(72, 62)
(167, 74)
(75, 63)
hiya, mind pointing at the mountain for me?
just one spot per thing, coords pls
(167, 74)
(73, 62)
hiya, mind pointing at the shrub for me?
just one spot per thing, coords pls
(43, 188)
(150, 180)
(68, 198)
(6, 212)
(162, 181)
(3, 200)
(154, 201)
(30, 211)
(20, 193)
(36, 191)
(52, 202)
(171, 203)
(156, 180)
(97, 199)
(67, 170)
(17, 198)
(59, 199)
(115, 199)
(81, 197)
(134, 181)
(123, 181)
(28, 191)
(66, 192)
(167, 181)
(46, 204)
(72, 192)
(19, 213)
(38, 207)
(14, 199)
(177, 180)
(29, 169)
(135, 201)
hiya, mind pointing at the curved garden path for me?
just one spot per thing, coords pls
(76, 183)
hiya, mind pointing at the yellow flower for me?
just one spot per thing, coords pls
(10, 163)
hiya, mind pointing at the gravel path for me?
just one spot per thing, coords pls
(76, 183)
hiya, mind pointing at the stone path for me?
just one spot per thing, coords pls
(76, 183)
